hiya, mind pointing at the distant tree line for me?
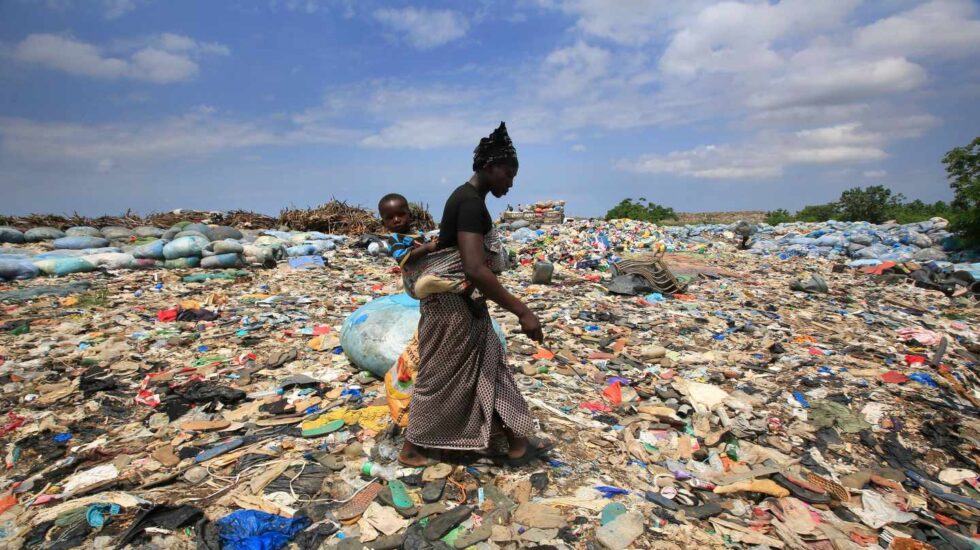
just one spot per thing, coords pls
(877, 203)
(641, 210)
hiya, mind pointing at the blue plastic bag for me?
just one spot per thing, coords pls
(255, 530)
(376, 334)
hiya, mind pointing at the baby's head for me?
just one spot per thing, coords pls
(394, 212)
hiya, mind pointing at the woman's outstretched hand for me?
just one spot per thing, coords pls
(531, 326)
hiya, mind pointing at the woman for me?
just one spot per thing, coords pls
(464, 388)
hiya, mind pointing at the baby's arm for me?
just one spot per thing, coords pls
(423, 250)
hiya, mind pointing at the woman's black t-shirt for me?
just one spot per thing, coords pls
(466, 211)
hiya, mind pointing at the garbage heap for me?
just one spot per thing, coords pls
(864, 243)
(191, 408)
(542, 212)
(50, 251)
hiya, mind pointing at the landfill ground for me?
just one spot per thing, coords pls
(143, 411)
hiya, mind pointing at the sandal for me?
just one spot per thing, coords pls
(280, 358)
(356, 506)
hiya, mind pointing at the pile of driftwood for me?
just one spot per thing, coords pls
(335, 217)
(338, 217)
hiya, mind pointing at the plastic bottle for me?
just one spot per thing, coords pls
(373, 469)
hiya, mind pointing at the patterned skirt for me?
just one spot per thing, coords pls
(463, 384)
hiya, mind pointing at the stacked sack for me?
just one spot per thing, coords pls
(864, 243)
(186, 245)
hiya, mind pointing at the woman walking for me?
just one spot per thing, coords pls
(464, 389)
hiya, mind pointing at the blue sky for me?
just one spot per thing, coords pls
(154, 105)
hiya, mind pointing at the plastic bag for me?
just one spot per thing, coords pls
(114, 232)
(375, 335)
(82, 231)
(226, 247)
(111, 260)
(64, 266)
(11, 235)
(37, 234)
(255, 530)
(184, 247)
(11, 270)
(400, 381)
(152, 250)
(80, 243)
(182, 263)
(148, 231)
(222, 261)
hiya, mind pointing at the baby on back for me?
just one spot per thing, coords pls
(410, 247)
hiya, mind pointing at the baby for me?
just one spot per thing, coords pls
(409, 248)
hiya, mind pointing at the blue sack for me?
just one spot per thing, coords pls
(80, 243)
(255, 530)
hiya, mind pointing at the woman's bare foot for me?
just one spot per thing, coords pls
(412, 455)
(519, 446)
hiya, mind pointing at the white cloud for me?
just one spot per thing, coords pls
(633, 22)
(875, 174)
(105, 166)
(578, 148)
(312, 7)
(304, 6)
(161, 66)
(113, 9)
(198, 133)
(426, 133)
(68, 55)
(571, 70)
(829, 82)
(738, 37)
(767, 157)
(946, 28)
(168, 58)
(424, 28)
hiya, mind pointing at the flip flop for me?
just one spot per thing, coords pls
(395, 494)
(432, 491)
(801, 493)
(356, 506)
(280, 358)
(316, 428)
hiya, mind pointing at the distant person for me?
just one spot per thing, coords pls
(410, 247)
(744, 231)
(464, 390)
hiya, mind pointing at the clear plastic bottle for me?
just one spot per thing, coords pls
(715, 461)
(372, 469)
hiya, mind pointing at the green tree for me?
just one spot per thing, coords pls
(818, 213)
(963, 172)
(640, 210)
(778, 216)
(871, 204)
